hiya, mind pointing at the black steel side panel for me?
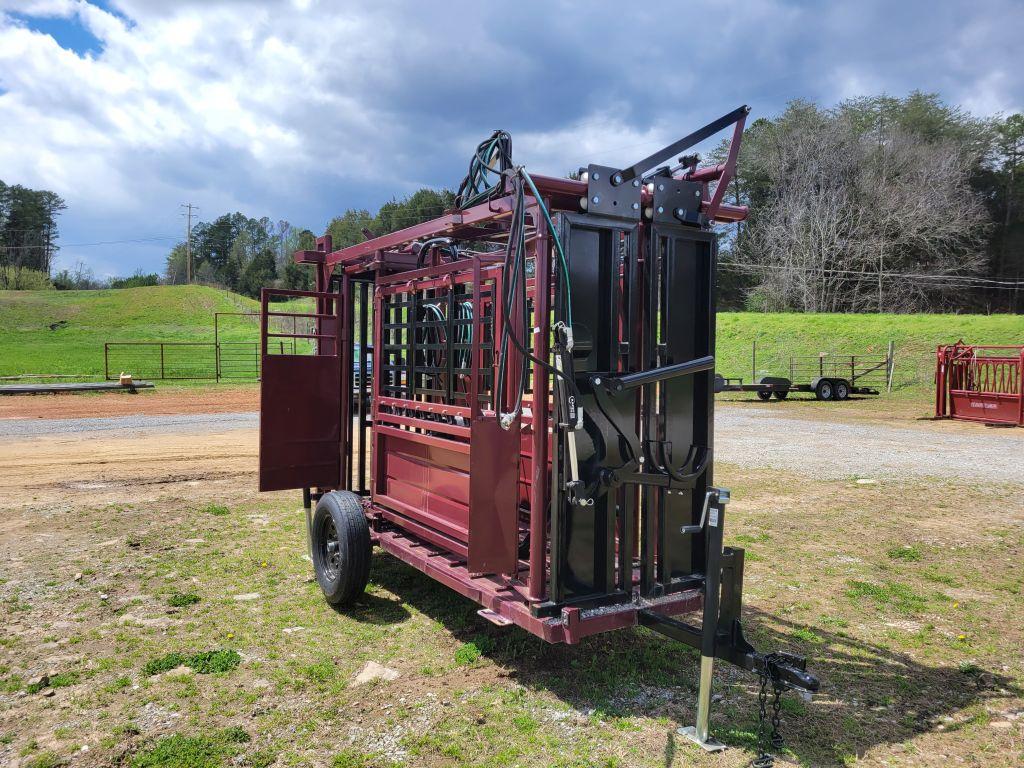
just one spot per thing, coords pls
(596, 248)
(685, 262)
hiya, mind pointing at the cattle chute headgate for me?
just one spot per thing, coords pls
(980, 383)
(536, 431)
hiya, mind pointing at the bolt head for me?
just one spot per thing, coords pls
(636, 206)
(597, 176)
(617, 178)
(661, 209)
(596, 199)
(597, 382)
(636, 182)
(680, 212)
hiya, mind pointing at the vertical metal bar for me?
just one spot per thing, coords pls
(541, 336)
(411, 305)
(106, 361)
(343, 350)
(162, 374)
(476, 348)
(753, 362)
(364, 294)
(263, 322)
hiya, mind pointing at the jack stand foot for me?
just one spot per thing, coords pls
(708, 745)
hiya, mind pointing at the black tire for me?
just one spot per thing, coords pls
(842, 389)
(781, 394)
(341, 547)
(825, 390)
(764, 394)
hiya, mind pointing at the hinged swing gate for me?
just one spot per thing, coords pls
(521, 391)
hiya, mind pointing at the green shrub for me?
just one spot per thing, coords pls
(182, 600)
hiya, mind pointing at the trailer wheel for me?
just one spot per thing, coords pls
(780, 394)
(824, 390)
(842, 390)
(764, 394)
(341, 547)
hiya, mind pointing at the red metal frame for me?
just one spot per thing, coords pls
(980, 383)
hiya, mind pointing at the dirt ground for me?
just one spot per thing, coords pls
(171, 400)
(119, 551)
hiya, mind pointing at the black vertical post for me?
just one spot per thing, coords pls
(162, 375)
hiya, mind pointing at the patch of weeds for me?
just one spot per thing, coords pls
(117, 685)
(216, 509)
(11, 684)
(898, 596)
(969, 668)
(45, 760)
(205, 662)
(792, 706)
(746, 538)
(910, 553)
(261, 758)
(808, 635)
(7, 738)
(937, 577)
(467, 654)
(179, 751)
(221, 660)
(320, 672)
(182, 600)
(163, 663)
(64, 679)
(834, 621)
(353, 758)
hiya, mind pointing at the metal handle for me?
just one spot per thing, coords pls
(695, 529)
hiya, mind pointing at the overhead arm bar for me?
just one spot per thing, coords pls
(659, 157)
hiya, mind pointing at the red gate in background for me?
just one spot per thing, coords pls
(980, 383)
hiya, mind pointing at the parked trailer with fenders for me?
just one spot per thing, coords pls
(537, 428)
(822, 387)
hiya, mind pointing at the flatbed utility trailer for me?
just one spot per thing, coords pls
(822, 387)
(536, 432)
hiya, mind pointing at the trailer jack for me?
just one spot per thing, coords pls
(721, 636)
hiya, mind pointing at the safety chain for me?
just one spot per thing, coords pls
(768, 741)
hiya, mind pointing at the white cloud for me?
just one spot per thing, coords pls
(300, 109)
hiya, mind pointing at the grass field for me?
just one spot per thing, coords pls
(63, 332)
(195, 637)
(83, 320)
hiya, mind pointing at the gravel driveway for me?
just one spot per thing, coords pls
(754, 437)
(831, 449)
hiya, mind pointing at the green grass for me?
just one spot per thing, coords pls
(84, 320)
(182, 600)
(206, 751)
(780, 335)
(206, 662)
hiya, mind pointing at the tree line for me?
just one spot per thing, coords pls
(28, 236)
(877, 205)
(245, 254)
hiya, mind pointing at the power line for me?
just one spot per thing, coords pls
(940, 280)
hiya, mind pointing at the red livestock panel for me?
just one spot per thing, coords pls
(980, 383)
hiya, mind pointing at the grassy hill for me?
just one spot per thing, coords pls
(780, 335)
(63, 332)
(83, 320)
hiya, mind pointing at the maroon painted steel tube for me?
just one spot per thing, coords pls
(539, 408)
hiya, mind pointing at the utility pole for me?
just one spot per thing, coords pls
(188, 240)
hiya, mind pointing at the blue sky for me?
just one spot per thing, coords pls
(297, 109)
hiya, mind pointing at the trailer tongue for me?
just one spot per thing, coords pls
(529, 416)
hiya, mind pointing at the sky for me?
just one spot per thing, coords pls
(297, 109)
